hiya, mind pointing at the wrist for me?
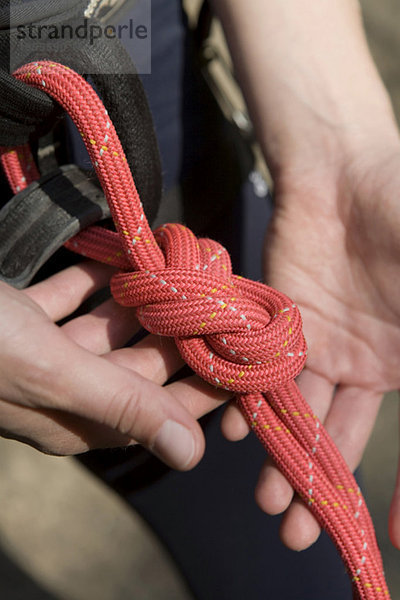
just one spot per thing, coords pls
(311, 85)
(325, 140)
(326, 147)
(343, 181)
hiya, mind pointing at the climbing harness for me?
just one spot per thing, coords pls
(238, 335)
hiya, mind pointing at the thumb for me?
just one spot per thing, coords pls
(94, 388)
(394, 514)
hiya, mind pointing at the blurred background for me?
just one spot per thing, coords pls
(64, 536)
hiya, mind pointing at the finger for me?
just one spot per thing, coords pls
(273, 492)
(107, 326)
(351, 419)
(61, 294)
(318, 392)
(233, 425)
(349, 422)
(299, 529)
(155, 357)
(62, 434)
(58, 433)
(394, 513)
(73, 380)
(197, 396)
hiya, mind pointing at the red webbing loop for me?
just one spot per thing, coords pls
(236, 334)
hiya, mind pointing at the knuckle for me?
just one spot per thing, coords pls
(35, 381)
(126, 413)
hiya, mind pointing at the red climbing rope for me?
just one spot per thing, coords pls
(236, 334)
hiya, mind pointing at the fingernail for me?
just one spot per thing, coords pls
(174, 444)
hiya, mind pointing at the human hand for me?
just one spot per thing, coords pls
(333, 247)
(326, 127)
(67, 389)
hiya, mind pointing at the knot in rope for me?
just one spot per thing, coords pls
(235, 333)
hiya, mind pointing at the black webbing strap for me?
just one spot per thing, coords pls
(38, 220)
(26, 113)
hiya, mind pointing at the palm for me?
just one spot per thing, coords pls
(345, 290)
(337, 260)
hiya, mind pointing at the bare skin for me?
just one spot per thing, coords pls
(327, 129)
(66, 389)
